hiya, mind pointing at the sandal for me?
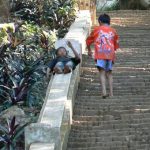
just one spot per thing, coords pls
(105, 96)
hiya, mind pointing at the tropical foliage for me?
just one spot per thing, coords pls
(26, 46)
(56, 14)
(23, 58)
(10, 134)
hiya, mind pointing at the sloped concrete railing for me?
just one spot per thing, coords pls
(53, 126)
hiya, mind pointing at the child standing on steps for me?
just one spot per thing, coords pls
(105, 39)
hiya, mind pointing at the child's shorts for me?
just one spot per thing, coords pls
(107, 65)
(62, 65)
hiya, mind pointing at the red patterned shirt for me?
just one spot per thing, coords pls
(105, 39)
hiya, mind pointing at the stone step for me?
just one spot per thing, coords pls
(136, 147)
(109, 144)
(123, 71)
(137, 93)
(137, 106)
(118, 75)
(138, 29)
(85, 101)
(121, 60)
(120, 80)
(138, 115)
(123, 121)
(115, 98)
(133, 137)
(120, 88)
(108, 132)
(131, 60)
(109, 110)
(127, 65)
(110, 120)
(111, 126)
(117, 90)
(99, 104)
(131, 91)
(118, 83)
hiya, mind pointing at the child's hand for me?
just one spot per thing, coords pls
(69, 44)
(90, 53)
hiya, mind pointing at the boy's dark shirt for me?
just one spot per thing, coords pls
(64, 59)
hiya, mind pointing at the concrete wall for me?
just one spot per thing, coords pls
(53, 126)
(107, 3)
(145, 3)
(124, 4)
(135, 4)
(102, 4)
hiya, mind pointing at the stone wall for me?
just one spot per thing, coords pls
(53, 126)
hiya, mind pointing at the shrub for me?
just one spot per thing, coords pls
(10, 134)
(23, 59)
(25, 48)
(56, 14)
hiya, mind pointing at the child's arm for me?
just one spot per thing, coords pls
(77, 56)
(90, 53)
(116, 42)
(51, 65)
(89, 41)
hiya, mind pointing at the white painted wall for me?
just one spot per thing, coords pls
(145, 3)
(107, 3)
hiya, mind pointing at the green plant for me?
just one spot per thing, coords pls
(25, 48)
(22, 65)
(17, 78)
(114, 6)
(56, 14)
(26, 9)
(9, 135)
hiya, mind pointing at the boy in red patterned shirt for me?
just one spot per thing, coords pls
(105, 40)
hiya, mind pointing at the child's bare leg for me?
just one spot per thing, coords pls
(103, 81)
(68, 67)
(110, 81)
(58, 69)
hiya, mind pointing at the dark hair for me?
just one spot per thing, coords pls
(57, 50)
(104, 18)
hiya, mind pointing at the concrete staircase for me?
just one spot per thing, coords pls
(121, 122)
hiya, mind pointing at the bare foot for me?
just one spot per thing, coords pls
(58, 70)
(67, 70)
(111, 94)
